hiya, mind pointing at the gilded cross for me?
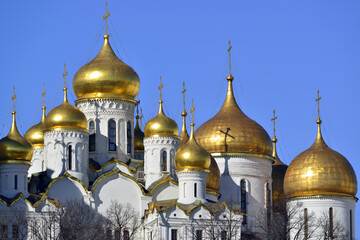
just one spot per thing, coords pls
(13, 98)
(318, 102)
(160, 87)
(137, 105)
(141, 116)
(65, 74)
(229, 50)
(183, 92)
(43, 95)
(105, 17)
(192, 110)
(226, 135)
(273, 119)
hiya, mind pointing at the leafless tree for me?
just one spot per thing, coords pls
(123, 220)
(330, 229)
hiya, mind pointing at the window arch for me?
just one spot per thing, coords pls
(243, 199)
(129, 137)
(92, 140)
(112, 135)
(164, 161)
(70, 156)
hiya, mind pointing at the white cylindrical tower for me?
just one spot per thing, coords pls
(105, 89)
(192, 168)
(321, 185)
(66, 142)
(15, 156)
(161, 142)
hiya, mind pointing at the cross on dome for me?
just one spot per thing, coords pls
(160, 87)
(183, 93)
(13, 98)
(43, 94)
(274, 119)
(192, 111)
(65, 74)
(105, 17)
(318, 103)
(229, 50)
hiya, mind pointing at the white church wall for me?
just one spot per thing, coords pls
(13, 179)
(37, 161)
(66, 189)
(165, 191)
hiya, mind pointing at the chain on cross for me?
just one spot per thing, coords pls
(160, 87)
(13, 98)
(65, 74)
(318, 102)
(273, 119)
(105, 17)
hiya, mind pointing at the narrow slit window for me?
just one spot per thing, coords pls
(305, 223)
(112, 135)
(129, 137)
(351, 225)
(70, 156)
(163, 161)
(243, 200)
(331, 224)
(92, 134)
(195, 189)
(16, 182)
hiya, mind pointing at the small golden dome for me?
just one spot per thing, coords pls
(106, 76)
(161, 125)
(320, 171)
(66, 117)
(14, 148)
(192, 156)
(184, 136)
(213, 179)
(246, 134)
(278, 174)
(35, 134)
(138, 137)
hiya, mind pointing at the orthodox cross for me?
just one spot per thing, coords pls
(43, 95)
(105, 17)
(226, 135)
(229, 50)
(273, 119)
(141, 116)
(192, 110)
(183, 92)
(65, 74)
(13, 98)
(318, 102)
(160, 87)
(137, 105)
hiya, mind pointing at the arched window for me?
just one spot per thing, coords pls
(112, 135)
(163, 161)
(351, 225)
(305, 223)
(129, 137)
(243, 199)
(268, 201)
(16, 182)
(91, 136)
(126, 234)
(331, 223)
(195, 190)
(70, 156)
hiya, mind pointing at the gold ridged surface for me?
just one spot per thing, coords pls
(320, 171)
(213, 179)
(161, 125)
(138, 137)
(66, 117)
(35, 134)
(106, 76)
(192, 156)
(248, 135)
(14, 148)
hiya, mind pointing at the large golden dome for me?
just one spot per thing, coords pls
(106, 76)
(213, 179)
(247, 135)
(14, 148)
(35, 134)
(138, 137)
(320, 171)
(192, 156)
(66, 117)
(161, 125)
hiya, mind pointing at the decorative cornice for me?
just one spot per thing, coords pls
(243, 154)
(115, 160)
(162, 140)
(67, 133)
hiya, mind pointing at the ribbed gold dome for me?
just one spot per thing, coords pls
(320, 171)
(192, 156)
(138, 137)
(213, 179)
(247, 135)
(184, 136)
(278, 174)
(14, 148)
(66, 117)
(161, 125)
(106, 76)
(35, 134)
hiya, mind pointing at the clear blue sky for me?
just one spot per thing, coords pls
(283, 51)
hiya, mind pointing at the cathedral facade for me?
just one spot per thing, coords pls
(226, 172)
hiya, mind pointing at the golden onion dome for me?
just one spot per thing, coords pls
(14, 148)
(106, 76)
(35, 134)
(213, 179)
(161, 125)
(192, 156)
(184, 136)
(138, 137)
(277, 174)
(245, 134)
(66, 117)
(320, 171)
